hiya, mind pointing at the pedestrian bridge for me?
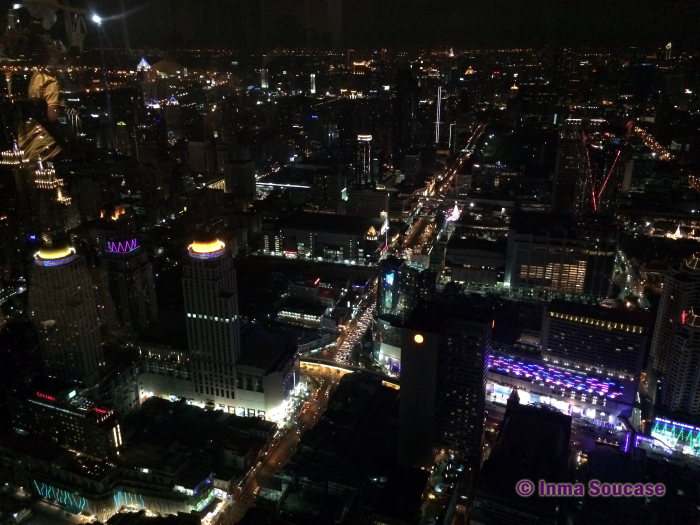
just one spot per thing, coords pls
(322, 365)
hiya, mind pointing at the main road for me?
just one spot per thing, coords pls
(282, 447)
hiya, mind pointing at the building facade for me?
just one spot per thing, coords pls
(213, 324)
(680, 293)
(62, 304)
(594, 338)
(56, 411)
(551, 254)
(131, 285)
(680, 386)
(444, 355)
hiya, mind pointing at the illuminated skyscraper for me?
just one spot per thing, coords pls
(131, 286)
(213, 324)
(680, 388)
(313, 83)
(681, 292)
(363, 163)
(62, 304)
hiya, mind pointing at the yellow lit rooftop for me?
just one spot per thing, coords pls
(207, 247)
(48, 254)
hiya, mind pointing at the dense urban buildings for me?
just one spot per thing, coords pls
(314, 261)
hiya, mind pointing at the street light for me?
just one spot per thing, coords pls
(97, 19)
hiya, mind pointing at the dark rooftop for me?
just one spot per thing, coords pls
(263, 350)
(331, 223)
(616, 315)
(430, 316)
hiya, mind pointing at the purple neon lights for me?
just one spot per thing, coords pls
(56, 262)
(578, 383)
(119, 247)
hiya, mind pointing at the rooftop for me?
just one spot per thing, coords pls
(615, 315)
(346, 224)
(263, 350)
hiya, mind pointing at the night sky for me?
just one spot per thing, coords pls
(410, 23)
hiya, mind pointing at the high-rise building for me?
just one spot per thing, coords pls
(240, 179)
(569, 171)
(62, 304)
(532, 443)
(445, 349)
(213, 324)
(363, 162)
(405, 109)
(680, 387)
(681, 292)
(552, 253)
(56, 410)
(367, 203)
(401, 286)
(131, 285)
(329, 191)
(595, 339)
(313, 83)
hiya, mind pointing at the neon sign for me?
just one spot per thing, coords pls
(119, 247)
(45, 396)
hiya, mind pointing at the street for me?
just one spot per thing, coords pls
(284, 446)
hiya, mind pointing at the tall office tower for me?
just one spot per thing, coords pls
(202, 157)
(594, 338)
(313, 83)
(570, 170)
(131, 286)
(240, 179)
(445, 348)
(402, 285)
(213, 324)
(405, 108)
(62, 304)
(680, 387)
(264, 82)
(367, 203)
(329, 191)
(681, 292)
(552, 253)
(412, 165)
(532, 443)
(363, 161)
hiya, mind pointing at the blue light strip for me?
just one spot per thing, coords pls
(56, 262)
(206, 256)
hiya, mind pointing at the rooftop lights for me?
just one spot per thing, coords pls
(206, 250)
(54, 256)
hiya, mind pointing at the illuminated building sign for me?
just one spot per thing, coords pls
(389, 279)
(122, 247)
(677, 435)
(45, 396)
